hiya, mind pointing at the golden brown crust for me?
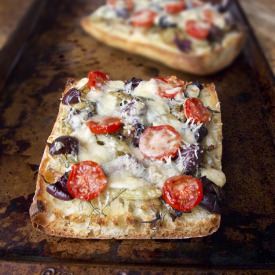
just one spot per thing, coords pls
(204, 64)
(65, 219)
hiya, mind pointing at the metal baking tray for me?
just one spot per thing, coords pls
(57, 48)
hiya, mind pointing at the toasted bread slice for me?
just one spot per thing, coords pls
(203, 64)
(113, 214)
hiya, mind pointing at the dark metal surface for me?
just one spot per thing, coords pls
(58, 49)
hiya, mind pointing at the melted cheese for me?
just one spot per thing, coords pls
(76, 120)
(127, 182)
(90, 150)
(107, 105)
(133, 171)
(159, 172)
(216, 176)
(113, 86)
(147, 89)
(156, 109)
(81, 83)
(105, 12)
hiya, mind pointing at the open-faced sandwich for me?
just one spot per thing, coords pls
(132, 159)
(188, 35)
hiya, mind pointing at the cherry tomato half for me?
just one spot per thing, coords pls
(159, 142)
(182, 192)
(197, 29)
(143, 18)
(171, 86)
(194, 109)
(86, 180)
(174, 7)
(172, 80)
(104, 125)
(96, 78)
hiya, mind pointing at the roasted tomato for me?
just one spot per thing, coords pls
(182, 192)
(104, 125)
(174, 7)
(159, 142)
(197, 29)
(86, 180)
(170, 86)
(143, 18)
(194, 109)
(96, 78)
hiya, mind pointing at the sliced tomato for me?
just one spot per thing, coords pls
(86, 180)
(96, 78)
(104, 125)
(182, 192)
(174, 7)
(194, 109)
(143, 18)
(159, 142)
(171, 87)
(196, 29)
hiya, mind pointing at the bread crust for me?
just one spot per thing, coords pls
(47, 215)
(203, 64)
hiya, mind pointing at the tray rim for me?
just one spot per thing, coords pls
(266, 74)
(191, 269)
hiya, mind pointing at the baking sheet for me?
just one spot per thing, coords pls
(57, 49)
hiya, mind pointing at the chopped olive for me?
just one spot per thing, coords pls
(133, 132)
(164, 22)
(64, 145)
(212, 195)
(189, 158)
(184, 44)
(198, 84)
(131, 84)
(223, 6)
(200, 133)
(215, 34)
(139, 129)
(59, 189)
(71, 97)
(230, 23)
(123, 13)
(90, 114)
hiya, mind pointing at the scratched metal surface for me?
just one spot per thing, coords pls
(58, 49)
